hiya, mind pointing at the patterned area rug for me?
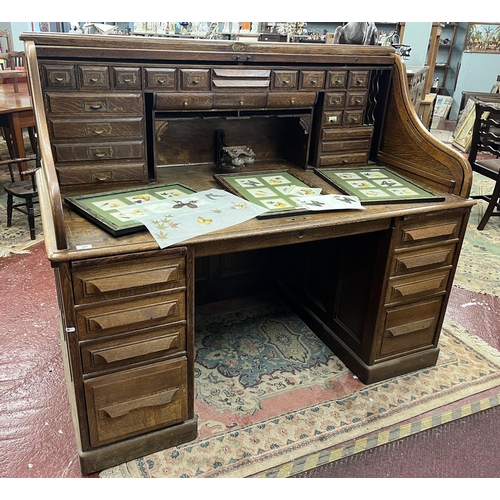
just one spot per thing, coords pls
(479, 264)
(270, 395)
(15, 239)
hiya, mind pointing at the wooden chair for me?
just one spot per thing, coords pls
(484, 156)
(22, 187)
(13, 63)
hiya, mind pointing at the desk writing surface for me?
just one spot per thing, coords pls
(249, 235)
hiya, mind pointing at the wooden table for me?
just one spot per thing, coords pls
(16, 113)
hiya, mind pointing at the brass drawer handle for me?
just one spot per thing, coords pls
(102, 176)
(93, 80)
(292, 101)
(185, 104)
(121, 409)
(161, 81)
(95, 106)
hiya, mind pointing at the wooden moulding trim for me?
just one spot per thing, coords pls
(402, 115)
(49, 192)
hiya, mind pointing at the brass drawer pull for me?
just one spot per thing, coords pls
(161, 81)
(94, 80)
(100, 153)
(185, 104)
(121, 409)
(102, 176)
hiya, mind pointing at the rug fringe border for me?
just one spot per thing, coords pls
(385, 437)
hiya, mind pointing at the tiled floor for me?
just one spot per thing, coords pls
(36, 433)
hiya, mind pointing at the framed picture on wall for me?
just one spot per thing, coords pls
(482, 37)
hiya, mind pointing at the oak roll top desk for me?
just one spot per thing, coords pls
(116, 112)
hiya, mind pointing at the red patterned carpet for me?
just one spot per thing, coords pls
(37, 437)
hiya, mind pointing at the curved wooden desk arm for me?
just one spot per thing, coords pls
(408, 147)
(49, 192)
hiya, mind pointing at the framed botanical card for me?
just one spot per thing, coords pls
(102, 208)
(274, 190)
(376, 185)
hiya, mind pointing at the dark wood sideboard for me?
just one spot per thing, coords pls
(116, 112)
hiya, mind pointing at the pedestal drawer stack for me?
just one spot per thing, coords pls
(134, 343)
(96, 122)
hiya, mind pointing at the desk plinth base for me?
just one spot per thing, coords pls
(368, 374)
(114, 454)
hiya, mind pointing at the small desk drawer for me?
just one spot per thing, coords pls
(347, 158)
(430, 229)
(94, 77)
(195, 79)
(335, 134)
(346, 145)
(423, 258)
(291, 99)
(247, 100)
(88, 104)
(356, 99)
(99, 174)
(96, 280)
(161, 78)
(144, 346)
(336, 79)
(165, 101)
(417, 285)
(59, 76)
(312, 80)
(127, 78)
(410, 327)
(353, 117)
(99, 152)
(358, 79)
(67, 128)
(285, 80)
(134, 401)
(334, 100)
(130, 314)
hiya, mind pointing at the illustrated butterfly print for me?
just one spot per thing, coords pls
(202, 220)
(189, 204)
